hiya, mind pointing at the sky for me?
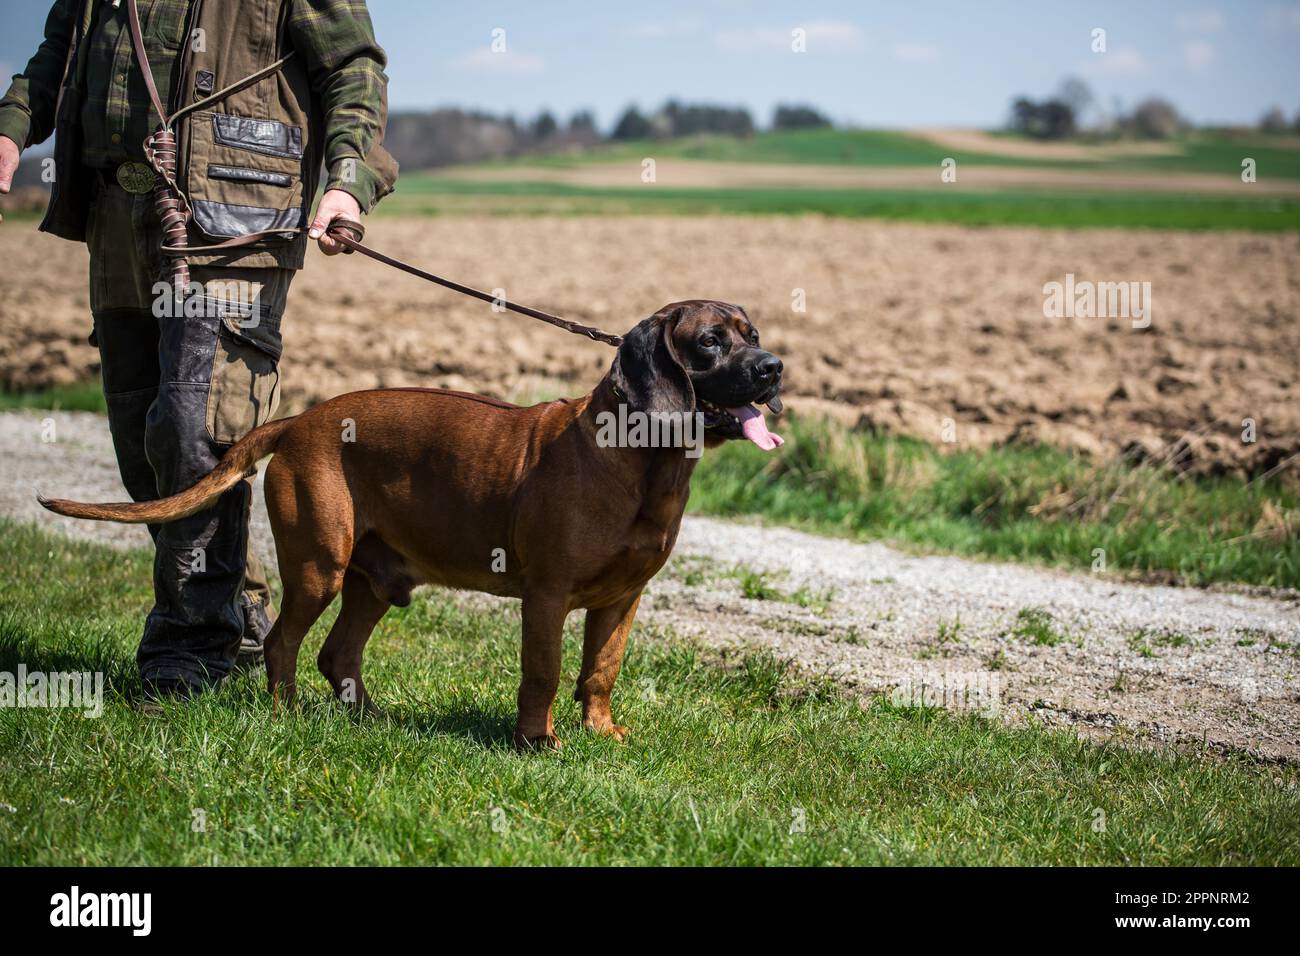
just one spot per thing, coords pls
(896, 65)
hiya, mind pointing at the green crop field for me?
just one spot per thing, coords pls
(1198, 152)
(1038, 203)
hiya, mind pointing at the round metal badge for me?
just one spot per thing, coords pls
(135, 178)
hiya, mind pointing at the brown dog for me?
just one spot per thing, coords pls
(373, 493)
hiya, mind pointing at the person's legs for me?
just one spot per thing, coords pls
(219, 379)
(125, 330)
(244, 394)
(179, 391)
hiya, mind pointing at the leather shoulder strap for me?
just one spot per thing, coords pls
(137, 42)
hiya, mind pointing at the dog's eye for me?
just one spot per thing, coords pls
(708, 341)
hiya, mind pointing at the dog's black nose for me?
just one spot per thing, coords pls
(767, 368)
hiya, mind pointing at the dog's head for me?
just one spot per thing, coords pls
(701, 356)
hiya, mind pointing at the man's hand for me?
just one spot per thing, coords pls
(335, 204)
(9, 153)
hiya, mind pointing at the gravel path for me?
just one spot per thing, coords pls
(1139, 663)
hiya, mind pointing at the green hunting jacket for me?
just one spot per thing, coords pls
(248, 163)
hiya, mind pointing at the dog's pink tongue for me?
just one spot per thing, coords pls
(754, 427)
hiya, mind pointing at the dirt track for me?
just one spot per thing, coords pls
(982, 141)
(905, 325)
(1145, 665)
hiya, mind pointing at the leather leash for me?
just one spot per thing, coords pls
(349, 233)
(160, 151)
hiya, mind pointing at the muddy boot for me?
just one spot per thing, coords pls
(259, 613)
(258, 618)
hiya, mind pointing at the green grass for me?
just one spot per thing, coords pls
(1217, 153)
(947, 635)
(82, 397)
(1146, 641)
(423, 194)
(1013, 503)
(758, 586)
(727, 758)
(1037, 626)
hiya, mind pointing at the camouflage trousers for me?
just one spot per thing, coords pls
(183, 383)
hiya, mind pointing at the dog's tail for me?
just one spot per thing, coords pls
(236, 465)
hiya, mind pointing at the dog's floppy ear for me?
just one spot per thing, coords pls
(647, 371)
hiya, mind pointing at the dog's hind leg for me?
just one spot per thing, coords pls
(603, 641)
(298, 612)
(340, 656)
(313, 538)
(544, 615)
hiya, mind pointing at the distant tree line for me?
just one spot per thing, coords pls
(446, 137)
(1062, 115)
(1048, 119)
(798, 117)
(1274, 121)
(679, 119)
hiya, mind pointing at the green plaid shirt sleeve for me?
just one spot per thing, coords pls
(27, 110)
(346, 66)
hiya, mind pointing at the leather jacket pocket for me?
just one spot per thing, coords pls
(245, 176)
